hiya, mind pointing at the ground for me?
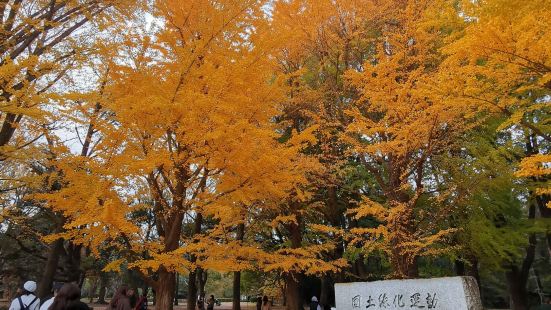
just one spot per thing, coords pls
(181, 306)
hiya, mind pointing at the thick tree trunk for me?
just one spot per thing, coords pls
(192, 290)
(325, 292)
(165, 289)
(517, 290)
(292, 293)
(236, 303)
(45, 285)
(517, 278)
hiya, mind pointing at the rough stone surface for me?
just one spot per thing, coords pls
(453, 293)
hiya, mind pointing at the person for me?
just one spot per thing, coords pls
(132, 297)
(266, 303)
(27, 300)
(259, 303)
(55, 288)
(315, 305)
(142, 302)
(210, 303)
(68, 298)
(120, 300)
(200, 303)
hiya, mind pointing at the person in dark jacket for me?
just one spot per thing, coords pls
(259, 303)
(315, 305)
(142, 302)
(68, 298)
(131, 293)
(210, 303)
(120, 300)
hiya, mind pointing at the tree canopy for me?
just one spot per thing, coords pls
(291, 144)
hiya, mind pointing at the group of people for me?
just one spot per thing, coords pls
(210, 303)
(125, 299)
(262, 303)
(66, 296)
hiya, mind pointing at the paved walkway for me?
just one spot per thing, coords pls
(182, 306)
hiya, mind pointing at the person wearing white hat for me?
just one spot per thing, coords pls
(27, 301)
(315, 305)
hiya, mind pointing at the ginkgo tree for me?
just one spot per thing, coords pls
(502, 65)
(400, 121)
(190, 135)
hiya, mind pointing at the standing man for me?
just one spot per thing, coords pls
(27, 301)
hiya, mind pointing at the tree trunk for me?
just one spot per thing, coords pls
(517, 278)
(292, 293)
(545, 212)
(8, 128)
(236, 304)
(192, 279)
(325, 292)
(176, 286)
(192, 290)
(165, 289)
(404, 263)
(293, 300)
(92, 291)
(104, 279)
(45, 285)
(517, 290)
(202, 276)
(81, 279)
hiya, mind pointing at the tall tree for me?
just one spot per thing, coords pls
(191, 132)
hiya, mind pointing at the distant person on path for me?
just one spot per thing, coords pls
(210, 303)
(142, 302)
(266, 303)
(200, 303)
(27, 300)
(315, 305)
(55, 288)
(131, 293)
(68, 298)
(259, 303)
(120, 300)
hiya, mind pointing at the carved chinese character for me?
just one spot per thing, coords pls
(398, 301)
(383, 301)
(431, 301)
(416, 301)
(370, 303)
(356, 301)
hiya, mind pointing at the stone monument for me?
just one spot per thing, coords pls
(452, 293)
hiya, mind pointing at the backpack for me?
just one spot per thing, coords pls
(26, 307)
